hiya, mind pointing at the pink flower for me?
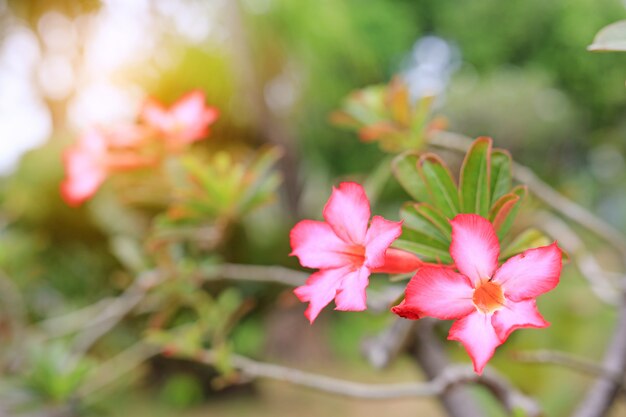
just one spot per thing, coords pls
(488, 302)
(98, 153)
(346, 251)
(85, 168)
(186, 121)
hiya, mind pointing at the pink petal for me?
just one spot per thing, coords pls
(379, 236)
(189, 108)
(399, 262)
(515, 315)
(478, 336)
(155, 115)
(475, 248)
(351, 295)
(440, 293)
(530, 273)
(320, 289)
(348, 212)
(405, 311)
(84, 175)
(317, 246)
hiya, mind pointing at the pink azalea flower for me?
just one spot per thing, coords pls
(488, 302)
(186, 121)
(346, 250)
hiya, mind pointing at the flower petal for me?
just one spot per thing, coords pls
(398, 261)
(317, 246)
(84, 175)
(405, 311)
(439, 292)
(348, 212)
(475, 248)
(379, 236)
(531, 273)
(478, 336)
(155, 115)
(319, 290)
(351, 295)
(515, 315)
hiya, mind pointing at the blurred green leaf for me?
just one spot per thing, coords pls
(528, 239)
(507, 216)
(404, 167)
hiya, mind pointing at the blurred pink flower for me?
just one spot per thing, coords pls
(186, 121)
(346, 251)
(488, 302)
(85, 168)
(98, 153)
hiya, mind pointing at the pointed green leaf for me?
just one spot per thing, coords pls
(505, 226)
(475, 181)
(441, 186)
(414, 219)
(502, 208)
(404, 168)
(500, 174)
(528, 239)
(437, 218)
(427, 249)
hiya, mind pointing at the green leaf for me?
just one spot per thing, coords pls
(528, 239)
(437, 218)
(507, 222)
(423, 249)
(416, 220)
(500, 174)
(474, 179)
(502, 209)
(610, 38)
(440, 184)
(404, 168)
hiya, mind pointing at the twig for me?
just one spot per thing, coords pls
(450, 377)
(598, 279)
(601, 395)
(569, 361)
(545, 193)
(118, 366)
(430, 354)
(382, 348)
(115, 311)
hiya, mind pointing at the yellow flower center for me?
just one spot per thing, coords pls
(488, 297)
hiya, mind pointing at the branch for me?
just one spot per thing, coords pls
(599, 280)
(449, 378)
(569, 361)
(545, 193)
(600, 397)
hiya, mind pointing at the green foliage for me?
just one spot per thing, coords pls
(485, 174)
(54, 373)
(181, 391)
(388, 115)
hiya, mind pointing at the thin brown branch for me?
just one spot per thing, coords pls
(601, 395)
(569, 361)
(451, 376)
(601, 282)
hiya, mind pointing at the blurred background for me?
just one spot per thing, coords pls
(516, 71)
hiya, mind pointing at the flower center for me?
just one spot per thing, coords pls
(488, 297)
(356, 255)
